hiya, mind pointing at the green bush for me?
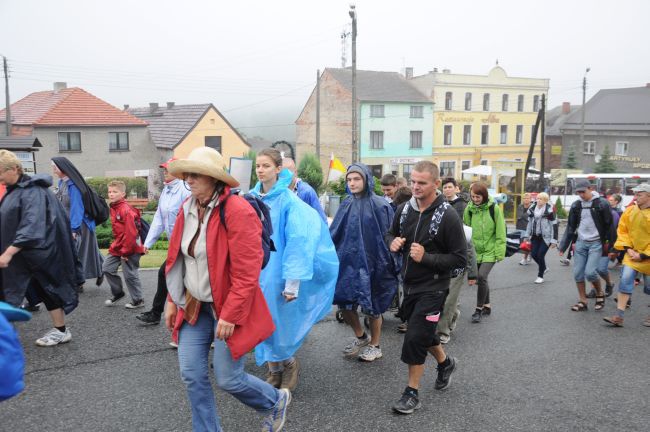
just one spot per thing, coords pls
(559, 209)
(311, 171)
(151, 206)
(252, 156)
(137, 184)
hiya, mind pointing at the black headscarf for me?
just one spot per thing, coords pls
(73, 174)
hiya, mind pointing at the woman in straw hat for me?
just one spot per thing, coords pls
(298, 281)
(224, 304)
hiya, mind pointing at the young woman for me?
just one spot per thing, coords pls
(489, 237)
(299, 279)
(542, 232)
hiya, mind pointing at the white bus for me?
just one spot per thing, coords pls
(606, 184)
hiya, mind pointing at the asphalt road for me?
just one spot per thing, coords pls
(532, 365)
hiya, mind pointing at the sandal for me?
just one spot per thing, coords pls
(579, 307)
(600, 303)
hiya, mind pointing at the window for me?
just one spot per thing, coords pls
(448, 101)
(485, 134)
(631, 183)
(519, 134)
(377, 140)
(504, 134)
(376, 170)
(69, 141)
(213, 142)
(589, 147)
(621, 148)
(610, 186)
(483, 161)
(447, 137)
(467, 134)
(118, 141)
(504, 103)
(535, 103)
(416, 139)
(417, 111)
(520, 103)
(465, 165)
(376, 110)
(406, 171)
(486, 102)
(468, 101)
(448, 169)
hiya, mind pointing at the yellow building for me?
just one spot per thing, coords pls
(481, 119)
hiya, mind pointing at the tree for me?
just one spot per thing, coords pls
(571, 162)
(559, 209)
(252, 156)
(310, 171)
(605, 164)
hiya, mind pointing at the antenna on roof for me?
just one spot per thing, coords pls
(344, 46)
(497, 62)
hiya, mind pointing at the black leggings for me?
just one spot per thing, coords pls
(160, 298)
(538, 252)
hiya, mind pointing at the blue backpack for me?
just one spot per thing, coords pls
(264, 213)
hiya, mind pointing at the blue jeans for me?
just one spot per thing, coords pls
(193, 352)
(586, 260)
(603, 269)
(626, 284)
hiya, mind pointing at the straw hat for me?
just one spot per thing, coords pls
(206, 161)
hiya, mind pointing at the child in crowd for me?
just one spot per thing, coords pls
(125, 249)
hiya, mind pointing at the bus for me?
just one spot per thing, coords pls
(605, 185)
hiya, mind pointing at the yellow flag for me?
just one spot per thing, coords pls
(336, 169)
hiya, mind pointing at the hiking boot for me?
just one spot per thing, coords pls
(476, 316)
(290, 375)
(408, 403)
(609, 289)
(615, 321)
(276, 418)
(352, 349)
(444, 374)
(274, 378)
(149, 318)
(135, 304)
(115, 299)
(370, 353)
(54, 337)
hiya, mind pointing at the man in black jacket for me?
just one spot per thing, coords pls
(429, 233)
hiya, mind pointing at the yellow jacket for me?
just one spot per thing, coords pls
(634, 232)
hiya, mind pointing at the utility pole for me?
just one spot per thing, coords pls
(7, 99)
(584, 108)
(542, 113)
(353, 15)
(318, 115)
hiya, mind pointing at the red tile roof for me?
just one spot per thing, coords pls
(68, 107)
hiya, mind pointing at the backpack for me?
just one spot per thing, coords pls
(141, 225)
(513, 241)
(97, 208)
(264, 213)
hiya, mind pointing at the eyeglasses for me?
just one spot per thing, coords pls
(193, 176)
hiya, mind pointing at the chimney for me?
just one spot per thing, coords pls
(446, 71)
(170, 105)
(153, 106)
(435, 70)
(126, 107)
(408, 73)
(566, 107)
(59, 86)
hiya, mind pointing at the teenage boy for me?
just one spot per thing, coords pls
(388, 188)
(429, 234)
(125, 249)
(367, 277)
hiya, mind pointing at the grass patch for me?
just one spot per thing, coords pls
(153, 259)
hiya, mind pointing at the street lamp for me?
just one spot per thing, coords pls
(584, 108)
(353, 15)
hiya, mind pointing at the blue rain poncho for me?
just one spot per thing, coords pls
(368, 270)
(305, 252)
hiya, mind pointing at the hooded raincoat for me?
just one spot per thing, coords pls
(634, 232)
(31, 218)
(368, 271)
(304, 252)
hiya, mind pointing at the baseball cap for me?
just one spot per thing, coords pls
(164, 164)
(643, 187)
(582, 185)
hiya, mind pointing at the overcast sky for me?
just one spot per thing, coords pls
(257, 60)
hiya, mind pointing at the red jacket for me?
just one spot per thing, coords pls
(125, 233)
(234, 264)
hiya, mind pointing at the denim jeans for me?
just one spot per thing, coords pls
(193, 352)
(626, 284)
(586, 260)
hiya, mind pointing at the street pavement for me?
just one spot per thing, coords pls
(532, 365)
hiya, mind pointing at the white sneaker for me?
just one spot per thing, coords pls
(173, 344)
(135, 304)
(529, 259)
(539, 280)
(444, 339)
(523, 261)
(54, 337)
(370, 353)
(353, 348)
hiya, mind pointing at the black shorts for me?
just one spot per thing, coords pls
(37, 292)
(421, 333)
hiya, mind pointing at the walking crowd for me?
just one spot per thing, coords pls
(255, 272)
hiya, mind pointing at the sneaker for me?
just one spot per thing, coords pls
(402, 328)
(444, 374)
(173, 344)
(54, 337)
(476, 316)
(135, 304)
(609, 289)
(31, 308)
(407, 404)
(615, 321)
(352, 349)
(529, 259)
(524, 261)
(149, 318)
(539, 280)
(290, 376)
(275, 420)
(564, 261)
(444, 339)
(274, 378)
(115, 299)
(370, 353)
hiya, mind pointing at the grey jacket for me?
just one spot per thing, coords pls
(549, 224)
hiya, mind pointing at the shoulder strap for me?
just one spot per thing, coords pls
(222, 212)
(491, 209)
(402, 217)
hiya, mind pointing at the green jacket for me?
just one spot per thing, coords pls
(489, 236)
